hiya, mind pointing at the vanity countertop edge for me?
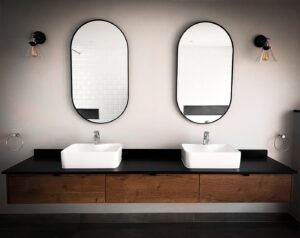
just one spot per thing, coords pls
(148, 161)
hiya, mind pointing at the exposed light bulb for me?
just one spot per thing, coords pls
(265, 55)
(34, 52)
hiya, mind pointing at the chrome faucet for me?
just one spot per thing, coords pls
(206, 137)
(96, 137)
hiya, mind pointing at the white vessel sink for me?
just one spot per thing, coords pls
(211, 156)
(91, 156)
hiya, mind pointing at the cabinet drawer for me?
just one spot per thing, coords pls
(152, 189)
(55, 189)
(253, 188)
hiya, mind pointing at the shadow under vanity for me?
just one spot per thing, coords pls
(148, 176)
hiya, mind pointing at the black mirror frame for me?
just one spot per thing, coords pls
(71, 72)
(177, 64)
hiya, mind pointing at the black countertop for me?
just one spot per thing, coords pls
(149, 161)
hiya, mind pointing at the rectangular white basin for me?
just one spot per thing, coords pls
(211, 156)
(91, 156)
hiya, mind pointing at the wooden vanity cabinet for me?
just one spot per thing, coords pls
(164, 188)
(145, 188)
(251, 188)
(31, 188)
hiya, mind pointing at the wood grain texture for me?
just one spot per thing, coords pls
(55, 189)
(253, 188)
(152, 189)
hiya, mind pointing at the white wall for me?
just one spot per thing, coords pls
(35, 95)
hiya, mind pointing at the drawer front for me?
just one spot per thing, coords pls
(55, 189)
(253, 188)
(152, 189)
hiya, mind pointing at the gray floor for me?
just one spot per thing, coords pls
(206, 225)
(185, 230)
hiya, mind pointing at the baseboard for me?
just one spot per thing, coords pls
(144, 218)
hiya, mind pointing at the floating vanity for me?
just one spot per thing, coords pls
(148, 176)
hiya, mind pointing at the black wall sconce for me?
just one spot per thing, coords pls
(266, 53)
(37, 38)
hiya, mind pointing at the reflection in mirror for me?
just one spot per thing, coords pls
(204, 77)
(99, 55)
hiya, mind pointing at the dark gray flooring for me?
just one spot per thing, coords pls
(161, 230)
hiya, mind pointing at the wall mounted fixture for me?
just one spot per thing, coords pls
(99, 94)
(266, 54)
(14, 142)
(281, 143)
(37, 38)
(204, 72)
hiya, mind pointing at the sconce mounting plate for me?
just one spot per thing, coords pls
(39, 37)
(260, 41)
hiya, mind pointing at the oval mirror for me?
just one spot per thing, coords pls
(99, 61)
(204, 72)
